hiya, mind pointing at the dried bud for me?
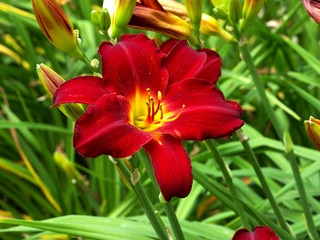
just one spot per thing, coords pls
(313, 130)
(50, 81)
(55, 24)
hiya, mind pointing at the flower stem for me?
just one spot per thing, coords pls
(227, 176)
(288, 144)
(144, 201)
(260, 88)
(244, 141)
(170, 212)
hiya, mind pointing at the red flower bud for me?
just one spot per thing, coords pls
(55, 24)
(313, 130)
(313, 8)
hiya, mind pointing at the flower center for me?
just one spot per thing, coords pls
(152, 114)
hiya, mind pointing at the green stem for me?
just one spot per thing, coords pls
(260, 88)
(211, 145)
(288, 144)
(168, 207)
(144, 201)
(170, 212)
(244, 141)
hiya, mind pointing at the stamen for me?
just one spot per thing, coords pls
(159, 96)
(152, 108)
(148, 116)
(175, 117)
(161, 117)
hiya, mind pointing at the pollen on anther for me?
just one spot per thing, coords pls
(159, 95)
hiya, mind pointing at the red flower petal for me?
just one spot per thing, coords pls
(171, 165)
(182, 62)
(259, 233)
(206, 113)
(168, 45)
(105, 129)
(135, 63)
(85, 89)
(211, 69)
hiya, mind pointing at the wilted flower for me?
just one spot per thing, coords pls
(313, 8)
(171, 18)
(313, 130)
(50, 81)
(154, 98)
(55, 24)
(259, 233)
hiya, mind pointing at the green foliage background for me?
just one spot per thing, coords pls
(284, 43)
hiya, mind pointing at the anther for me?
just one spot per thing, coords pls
(159, 95)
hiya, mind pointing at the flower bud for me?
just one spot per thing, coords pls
(120, 14)
(95, 15)
(313, 8)
(235, 11)
(50, 81)
(104, 20)
(194, 10)
(250, 10)
(66, 165)
(313, 130)
(55, 24)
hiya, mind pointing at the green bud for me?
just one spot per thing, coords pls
(104, 20)
(235, 11)
(250, 11)
(220, 11)
(194, 10)
(95, 15)
(51, 81)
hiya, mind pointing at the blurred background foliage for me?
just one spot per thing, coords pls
(37, 182)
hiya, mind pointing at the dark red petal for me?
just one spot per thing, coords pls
(168, 45)
(171, 165)
(85, 89)
(135, 63)
(183, 62)
(105, 129)
(206, 113)
(211, 69)
(259, 233)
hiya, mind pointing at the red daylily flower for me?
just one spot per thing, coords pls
(152, 98)
(259, 233)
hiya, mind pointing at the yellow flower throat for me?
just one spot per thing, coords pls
(151, 114)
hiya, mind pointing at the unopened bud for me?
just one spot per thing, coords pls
(250, 10)
(56, 26)
(313, 130)
(95, 63)
(104, 20)
(95, 15)
(50, 81)
(235, 11)
(194, 10)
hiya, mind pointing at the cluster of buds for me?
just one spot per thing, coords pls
(234, 11)
(313, 130)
